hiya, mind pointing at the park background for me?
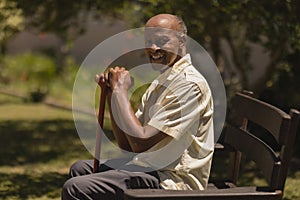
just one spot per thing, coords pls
(255, 45)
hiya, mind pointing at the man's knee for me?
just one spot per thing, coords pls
(79, 168)
(85, 188)
(68, 190)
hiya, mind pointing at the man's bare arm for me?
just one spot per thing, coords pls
(140, 138)
(118, 133)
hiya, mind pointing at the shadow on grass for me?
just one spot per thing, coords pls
(23, 142)
(24, 186)
(53, 143)
(27, 145)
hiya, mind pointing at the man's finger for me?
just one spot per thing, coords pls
(99, 78)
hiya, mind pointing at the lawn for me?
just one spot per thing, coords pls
(39, 143)
(35, 156)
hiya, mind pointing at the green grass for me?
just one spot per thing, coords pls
(36, 156)
(38, 144)
(33, 112)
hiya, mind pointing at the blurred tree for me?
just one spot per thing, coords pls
(35, 71)
(272, 24)
(63, 18)
(67, 19)
(238, 24)
(11, 21)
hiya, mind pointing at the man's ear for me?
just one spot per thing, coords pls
(182, 40)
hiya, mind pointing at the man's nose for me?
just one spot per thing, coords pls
(154, 47)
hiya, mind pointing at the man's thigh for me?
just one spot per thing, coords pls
(107, 185)
(85, 167)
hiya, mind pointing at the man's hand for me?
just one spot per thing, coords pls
(116, 78)
(127, 129)
(102, 79)
(119, 79)
(105, 79)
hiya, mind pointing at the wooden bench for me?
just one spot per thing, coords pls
(244, 137)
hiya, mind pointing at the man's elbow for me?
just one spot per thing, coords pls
(139, 145)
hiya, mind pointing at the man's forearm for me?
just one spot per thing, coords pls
(140, 138)
(124, 115)
(118, 133)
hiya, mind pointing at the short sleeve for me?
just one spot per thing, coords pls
(178, 110)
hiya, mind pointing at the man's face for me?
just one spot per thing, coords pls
(162, 47)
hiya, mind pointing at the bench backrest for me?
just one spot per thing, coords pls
(254, 115)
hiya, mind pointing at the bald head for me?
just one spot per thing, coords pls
(165, 37)
(168, 21)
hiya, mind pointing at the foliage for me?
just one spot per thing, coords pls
(283, 89)
(67, 19)
(62, 16)
(11, 21)
(272, 24)
(238, 24)
(36, 75)
(36, 72)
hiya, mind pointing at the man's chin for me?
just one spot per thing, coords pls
(159, 67)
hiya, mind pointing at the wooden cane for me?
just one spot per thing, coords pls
(103, 86)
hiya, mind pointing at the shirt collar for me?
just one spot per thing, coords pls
(169, 74)
(179, 66)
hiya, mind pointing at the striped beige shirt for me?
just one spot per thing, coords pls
(179, 103)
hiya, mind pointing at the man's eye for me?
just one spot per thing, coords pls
(161, 41)
(149, 43)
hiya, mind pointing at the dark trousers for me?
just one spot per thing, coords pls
(108, 183)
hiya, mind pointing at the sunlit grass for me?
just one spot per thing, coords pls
(292, 189)
(38, 145)
(32, 112)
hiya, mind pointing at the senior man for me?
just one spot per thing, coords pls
(175, 120)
